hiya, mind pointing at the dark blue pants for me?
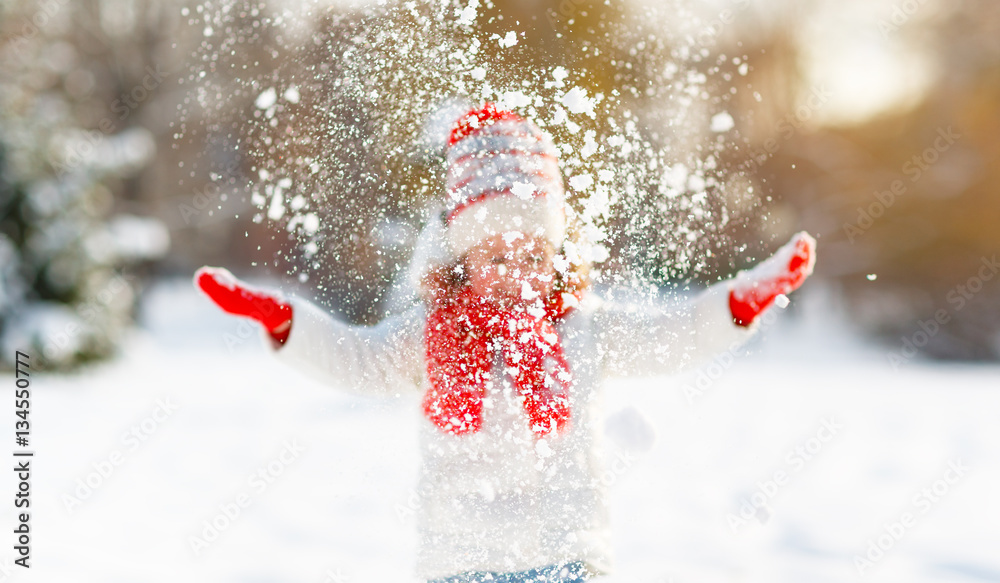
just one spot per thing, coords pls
(575, 572)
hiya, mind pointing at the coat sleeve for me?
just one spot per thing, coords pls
(384, 359)
(654, 340)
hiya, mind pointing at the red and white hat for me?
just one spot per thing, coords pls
(502, 176)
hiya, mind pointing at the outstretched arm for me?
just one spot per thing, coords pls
(654, 340)
(383, 359)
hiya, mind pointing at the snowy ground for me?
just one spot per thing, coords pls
(210, 416)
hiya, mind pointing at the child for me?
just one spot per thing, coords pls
(508, 349)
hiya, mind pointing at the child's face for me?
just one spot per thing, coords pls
(512, 269)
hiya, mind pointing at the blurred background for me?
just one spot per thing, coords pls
(289, 141)
(141, 139)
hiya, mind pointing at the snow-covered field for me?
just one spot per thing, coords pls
(195, 424)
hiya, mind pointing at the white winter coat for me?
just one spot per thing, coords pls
(498, 499)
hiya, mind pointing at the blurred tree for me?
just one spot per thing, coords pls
(68, 147)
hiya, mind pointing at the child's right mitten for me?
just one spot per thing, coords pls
(238, 298)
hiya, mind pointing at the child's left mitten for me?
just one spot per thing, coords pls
(756, 290)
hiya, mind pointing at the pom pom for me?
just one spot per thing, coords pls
(438, 126)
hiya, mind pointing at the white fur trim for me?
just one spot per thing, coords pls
(540, 215)
(498, 164)
(497, 143)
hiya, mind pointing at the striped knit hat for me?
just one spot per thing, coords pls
(502, 177)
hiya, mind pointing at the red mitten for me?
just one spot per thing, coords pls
(236, 297)
(754, 291)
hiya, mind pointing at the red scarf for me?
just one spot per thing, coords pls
(461, 333)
